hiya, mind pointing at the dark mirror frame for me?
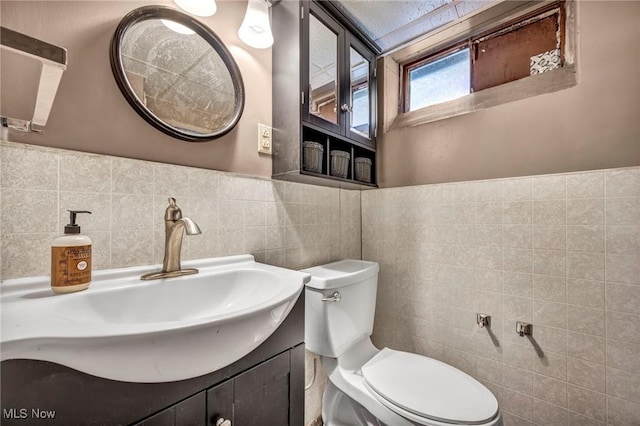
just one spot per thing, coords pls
(162, 12)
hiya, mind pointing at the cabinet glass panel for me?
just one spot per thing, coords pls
(323, 71)
(359, 88)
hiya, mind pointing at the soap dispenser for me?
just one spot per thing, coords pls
(71, 258)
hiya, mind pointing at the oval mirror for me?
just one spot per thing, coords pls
(177, 74)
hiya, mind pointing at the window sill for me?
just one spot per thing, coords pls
(552, 81)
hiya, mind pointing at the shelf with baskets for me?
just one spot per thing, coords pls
(333, 158)
(324, 132)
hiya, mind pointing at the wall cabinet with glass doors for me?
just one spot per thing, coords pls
(324, 98)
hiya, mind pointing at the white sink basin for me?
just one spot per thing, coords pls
(126, 329)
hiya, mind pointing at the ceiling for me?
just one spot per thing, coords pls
(393, 23)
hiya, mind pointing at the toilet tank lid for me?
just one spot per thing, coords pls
(341, 273)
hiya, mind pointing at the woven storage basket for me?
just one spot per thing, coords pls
(312, 156)
(340, 163)
(363, 169)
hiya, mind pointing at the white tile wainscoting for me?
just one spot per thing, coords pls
(559, 251)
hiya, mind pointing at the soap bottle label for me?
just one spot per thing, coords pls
(70, 265)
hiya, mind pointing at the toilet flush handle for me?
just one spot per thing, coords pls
(335, 297)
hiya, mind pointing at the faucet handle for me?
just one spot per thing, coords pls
(173, 212)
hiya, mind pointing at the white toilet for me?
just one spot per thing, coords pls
(368, 386)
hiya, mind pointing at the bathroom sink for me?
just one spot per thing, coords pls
(126, 329)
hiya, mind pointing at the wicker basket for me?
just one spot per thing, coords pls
(363, 169)
(340, 163)
(312, 156)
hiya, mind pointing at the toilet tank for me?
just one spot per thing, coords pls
(331, 327)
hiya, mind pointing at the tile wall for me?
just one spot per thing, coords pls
(281, 223)
(560, 251)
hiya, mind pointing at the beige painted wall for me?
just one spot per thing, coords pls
(594, 125)
(90, 114)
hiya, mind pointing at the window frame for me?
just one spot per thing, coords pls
(471, 41)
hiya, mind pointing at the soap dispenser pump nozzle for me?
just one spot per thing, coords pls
(72, 227)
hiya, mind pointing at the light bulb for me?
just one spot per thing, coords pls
(198, 7)
(255, 30)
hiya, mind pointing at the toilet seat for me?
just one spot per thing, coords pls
(421, 389)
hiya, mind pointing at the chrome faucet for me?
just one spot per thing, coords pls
(175, 226)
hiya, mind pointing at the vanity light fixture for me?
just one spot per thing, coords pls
(198, 7)
(255, 30)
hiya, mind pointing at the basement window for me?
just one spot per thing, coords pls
(531, 45)
(439, 79)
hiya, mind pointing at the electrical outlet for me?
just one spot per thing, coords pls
(264, 138)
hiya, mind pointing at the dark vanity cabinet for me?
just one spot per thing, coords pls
(324, 97)
(257, 397)
(266, 387)
(191, 411)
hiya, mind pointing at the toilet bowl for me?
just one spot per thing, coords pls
(367, 386)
